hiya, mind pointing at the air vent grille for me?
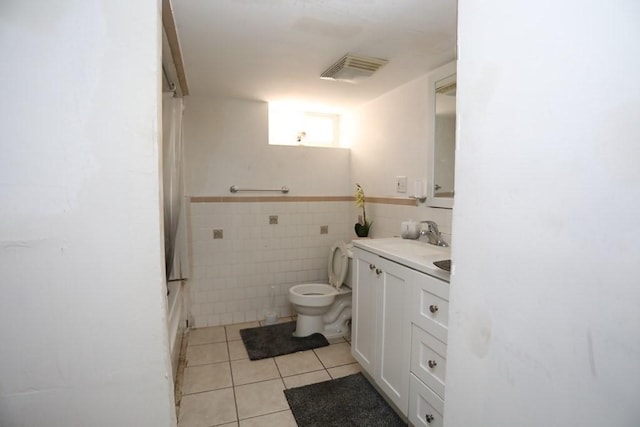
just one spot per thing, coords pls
(352, 67)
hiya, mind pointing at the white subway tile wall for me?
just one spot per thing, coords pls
(231, 278)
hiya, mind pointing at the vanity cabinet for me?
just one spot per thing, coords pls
(399, 334)
(380, 338)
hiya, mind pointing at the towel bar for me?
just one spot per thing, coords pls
(235, 189)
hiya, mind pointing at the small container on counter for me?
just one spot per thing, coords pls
(410, 229)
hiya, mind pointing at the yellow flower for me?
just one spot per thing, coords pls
(360, 203)
(359, 196)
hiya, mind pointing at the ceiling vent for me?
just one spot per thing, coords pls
(351, 68)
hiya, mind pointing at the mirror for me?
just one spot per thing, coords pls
(442, 183)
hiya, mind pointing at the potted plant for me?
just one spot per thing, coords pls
(363, 226)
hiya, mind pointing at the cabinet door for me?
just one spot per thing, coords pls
(364, 310)
(395, 345)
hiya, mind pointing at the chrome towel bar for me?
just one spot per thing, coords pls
(235, 189)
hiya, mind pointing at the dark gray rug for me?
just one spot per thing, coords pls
(275, 340)
(347, 401)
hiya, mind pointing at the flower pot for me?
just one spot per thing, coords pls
(362, 230)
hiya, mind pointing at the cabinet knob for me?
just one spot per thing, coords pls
(433, 308)
(378, 271)
(428, 418)
(371, 266)
(432, 364)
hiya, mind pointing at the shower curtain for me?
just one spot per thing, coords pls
(172, 108)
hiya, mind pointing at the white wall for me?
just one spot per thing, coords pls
(82, 306)
(545, 325)
(391, 138)
(226, 143)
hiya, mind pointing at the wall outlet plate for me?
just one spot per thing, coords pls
(401, 184)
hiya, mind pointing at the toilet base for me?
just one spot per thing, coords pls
(340, 326)
(308, 325)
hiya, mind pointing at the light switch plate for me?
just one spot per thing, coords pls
(401, 184)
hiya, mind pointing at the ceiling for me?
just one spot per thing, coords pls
(275, 50)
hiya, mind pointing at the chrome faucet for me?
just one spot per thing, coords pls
(432, 234)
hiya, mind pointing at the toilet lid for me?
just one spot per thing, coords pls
(338, 264)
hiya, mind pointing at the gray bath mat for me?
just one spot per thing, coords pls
(347, 401)
(276, 340)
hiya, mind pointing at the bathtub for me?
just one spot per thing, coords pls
(176, 321)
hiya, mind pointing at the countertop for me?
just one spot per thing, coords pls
(412, 253)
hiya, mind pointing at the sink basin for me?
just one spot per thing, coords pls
(444, 264)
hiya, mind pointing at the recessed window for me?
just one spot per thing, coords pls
(289, 126)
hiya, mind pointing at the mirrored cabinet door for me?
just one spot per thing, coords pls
(441, 186)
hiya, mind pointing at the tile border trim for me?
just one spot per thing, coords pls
(265, 199)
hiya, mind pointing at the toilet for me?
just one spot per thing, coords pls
(326, 308)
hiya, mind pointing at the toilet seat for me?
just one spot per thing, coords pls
(322, 294)
(338, 264)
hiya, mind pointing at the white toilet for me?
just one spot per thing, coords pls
(326, 308)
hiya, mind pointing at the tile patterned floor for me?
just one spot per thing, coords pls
(220, 386)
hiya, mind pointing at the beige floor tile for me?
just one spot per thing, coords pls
(207, 409)
(207, 335)
(206, 377)
(336, 340)
(207, 353)
(335, 355)
(260, 398)
(280, 320)
(344, 370)
(247, 371)
(298, 363)
(279, 419)
(228, 425)
(237, 350)
(233, 331)
(306, 379)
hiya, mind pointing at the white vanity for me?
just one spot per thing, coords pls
(399, 323)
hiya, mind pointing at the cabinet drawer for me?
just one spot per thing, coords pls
(425, 407)
(428, 359)
(430, 308)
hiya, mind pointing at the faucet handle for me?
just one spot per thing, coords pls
(433, 227)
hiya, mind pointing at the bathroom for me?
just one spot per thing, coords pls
(542, 195)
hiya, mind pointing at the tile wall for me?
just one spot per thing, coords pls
(388, 217)
(232, 277)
